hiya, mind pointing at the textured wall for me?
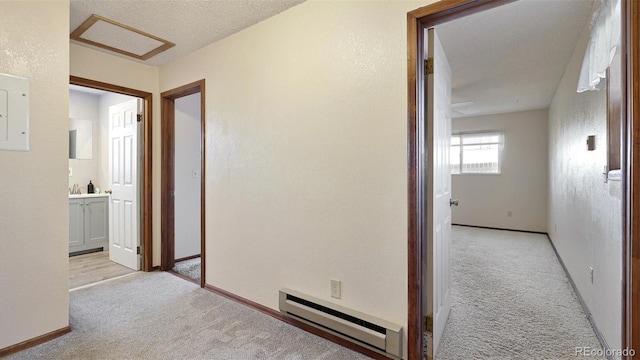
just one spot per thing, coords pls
(95, 65)
(306, 154)
(585, 212)
(187, 186)
(84, 106)
(521, 187)
(34, 222)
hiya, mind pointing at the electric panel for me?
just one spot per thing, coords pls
(14, 113)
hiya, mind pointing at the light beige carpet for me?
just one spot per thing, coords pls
(160, 316)
(190, 268)
(511, 300)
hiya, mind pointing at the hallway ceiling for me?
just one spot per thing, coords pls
(511, 58)
(190, 24)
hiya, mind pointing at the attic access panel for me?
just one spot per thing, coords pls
(113, 36)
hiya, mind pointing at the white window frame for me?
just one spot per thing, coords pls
(468, 134)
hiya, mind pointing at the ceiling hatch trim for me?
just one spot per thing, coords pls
(107, 34)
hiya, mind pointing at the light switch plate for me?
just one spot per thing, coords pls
(336, 289)
(4, 115)
(14, 113)
(591, 142)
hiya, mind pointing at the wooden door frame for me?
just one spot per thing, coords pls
(448, 10)
(168, 174)
(146, 205)
(631, 197)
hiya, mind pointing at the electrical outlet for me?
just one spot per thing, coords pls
(336, 289)
(591, 273)
(70, 172)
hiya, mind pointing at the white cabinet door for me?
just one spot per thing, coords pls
(88, 224)
(96, 218)
(76, 222)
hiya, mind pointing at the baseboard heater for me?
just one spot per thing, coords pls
(371, 332)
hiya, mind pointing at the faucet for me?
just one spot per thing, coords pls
(75, 190)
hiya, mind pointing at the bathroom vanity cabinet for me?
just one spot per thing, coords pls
(88, 222)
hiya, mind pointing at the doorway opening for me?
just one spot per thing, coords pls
(110, 232)
(436, 14)
(183, 182)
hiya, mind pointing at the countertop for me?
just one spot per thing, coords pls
(80, 196)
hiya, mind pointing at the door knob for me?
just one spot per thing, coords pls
(453, 202)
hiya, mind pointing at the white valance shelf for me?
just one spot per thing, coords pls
(605, 37)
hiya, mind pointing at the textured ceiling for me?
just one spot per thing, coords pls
(190, 24)
(112, 35)
(511, 58)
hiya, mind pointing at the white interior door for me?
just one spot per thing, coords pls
(437, 142)
(123, 181)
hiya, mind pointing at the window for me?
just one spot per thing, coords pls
(476, 153)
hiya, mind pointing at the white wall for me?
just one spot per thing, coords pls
(95, 65)
(584, 212)
(84, 106)
(306, 154)
(34, 221)
(187, 176)
(521, 187)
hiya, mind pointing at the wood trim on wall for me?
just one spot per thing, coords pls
(448, 10)
(203, 171)
(414, 323)
(187, 258)
(167, 247)
(35, 341)
(631, 270)
(146, 226)
(168, 174)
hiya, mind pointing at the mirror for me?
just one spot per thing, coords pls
(80, 139)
